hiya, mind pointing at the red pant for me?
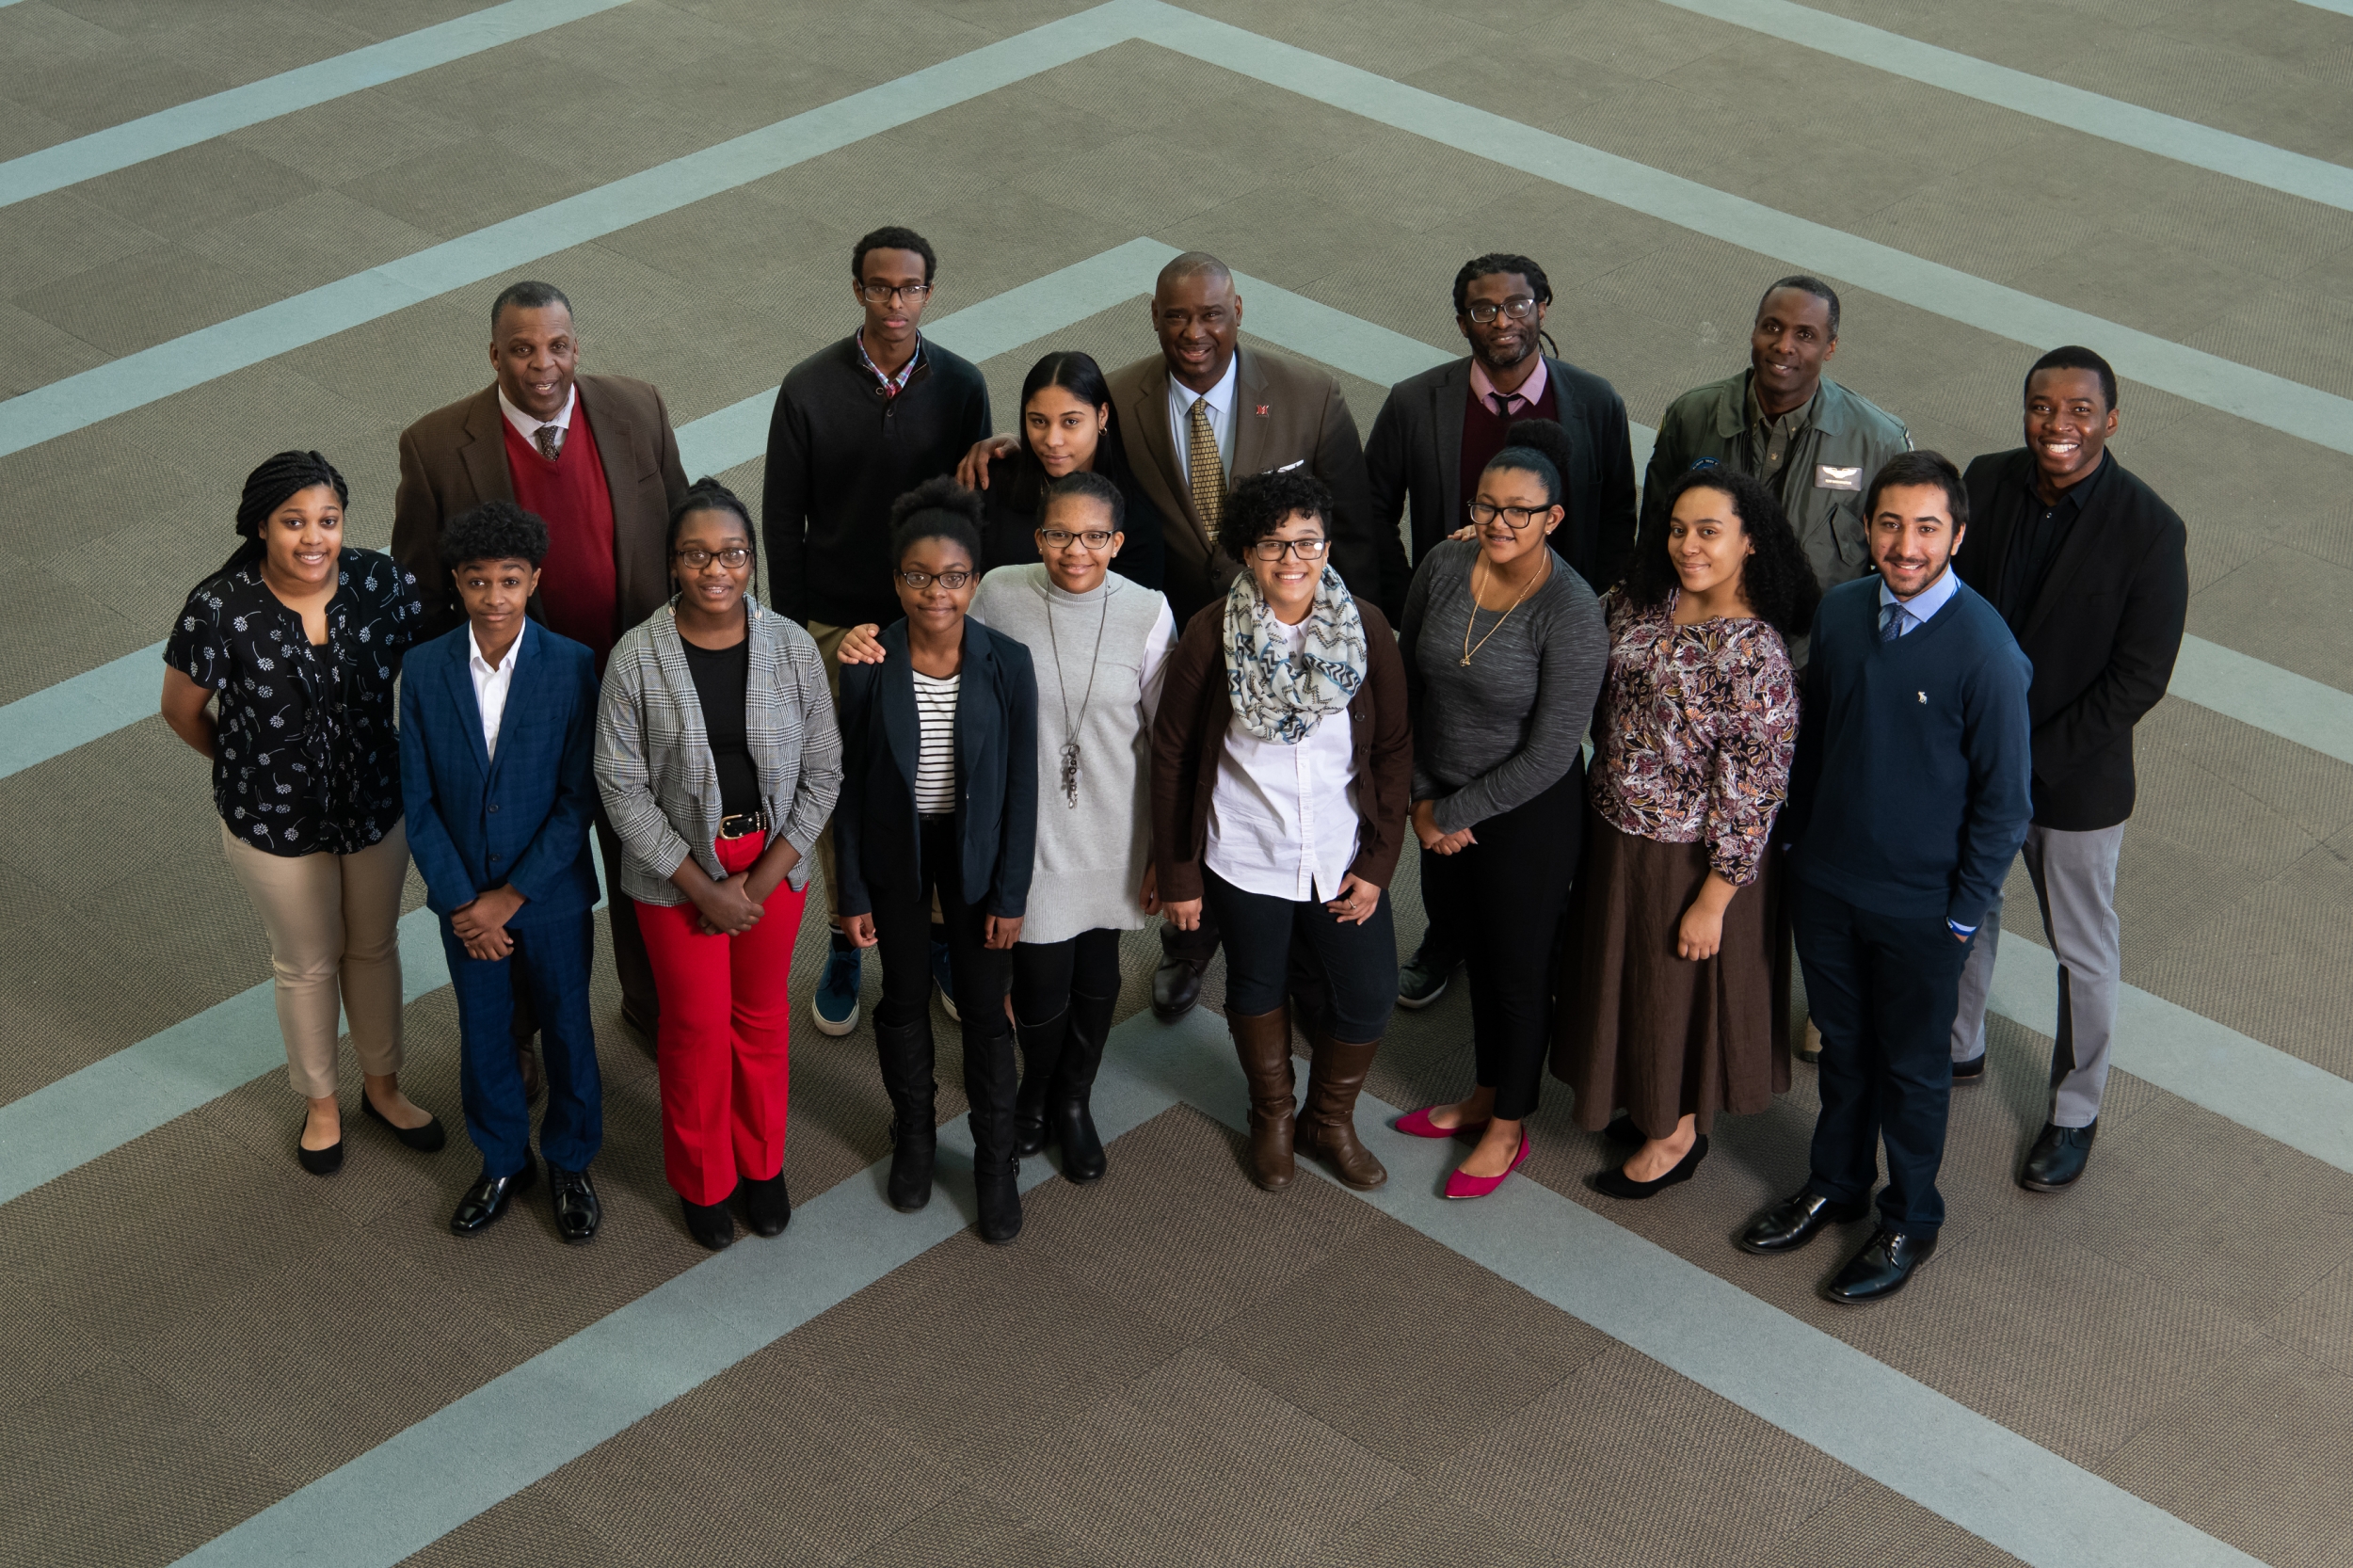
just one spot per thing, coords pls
(721, 1043)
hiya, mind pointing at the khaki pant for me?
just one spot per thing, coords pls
(334, 943)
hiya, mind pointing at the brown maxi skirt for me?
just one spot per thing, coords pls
(1635, 1026)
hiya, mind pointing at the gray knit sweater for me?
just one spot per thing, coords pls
(1090, 858)
(1497, 733)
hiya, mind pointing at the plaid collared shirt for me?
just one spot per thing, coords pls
(891, 385)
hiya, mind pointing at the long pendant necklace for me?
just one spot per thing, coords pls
(1468, 646)
(1070, 730)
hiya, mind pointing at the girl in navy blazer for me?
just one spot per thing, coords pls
(939, 795)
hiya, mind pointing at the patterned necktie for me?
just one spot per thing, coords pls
(1891, 623)
(1204, 466)
(548, 437)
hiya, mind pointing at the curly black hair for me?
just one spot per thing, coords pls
(494, 531)
(1259, 504)
(1777, 579)
(937, 508)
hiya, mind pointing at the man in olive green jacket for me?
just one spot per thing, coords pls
(1813, 442)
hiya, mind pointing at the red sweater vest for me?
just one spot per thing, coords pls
(579, 585)
(1482, 437)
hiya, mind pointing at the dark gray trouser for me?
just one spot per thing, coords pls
(2075, 883)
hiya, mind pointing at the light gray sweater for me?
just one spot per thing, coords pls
(1090, 856)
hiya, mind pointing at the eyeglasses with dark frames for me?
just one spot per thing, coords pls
(1274, 549)
(952, 581)
(1519, 308)
(694, 557)
(882, 294)
(1098, 539)
(1517, 519)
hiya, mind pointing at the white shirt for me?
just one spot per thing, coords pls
(1282, 818)
(1220, 401)
(490, 682)
(527, 425)
(1921, 606)
(935, 753)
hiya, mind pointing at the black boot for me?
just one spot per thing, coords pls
(1042, 1051)
(988, 1083)
(906, 1050)
(1074, 1082)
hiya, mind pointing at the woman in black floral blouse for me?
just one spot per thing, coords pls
(299, 638)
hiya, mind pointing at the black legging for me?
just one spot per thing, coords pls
(1046, 974)
(1504, 897)
(1358, 962)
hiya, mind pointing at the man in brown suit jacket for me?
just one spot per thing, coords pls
(596, 458)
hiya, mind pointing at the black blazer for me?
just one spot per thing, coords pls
(876, 844)
(2101, 631)
(1414, 457)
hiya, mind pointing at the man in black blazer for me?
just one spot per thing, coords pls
(1435, 435)
(2091, 571)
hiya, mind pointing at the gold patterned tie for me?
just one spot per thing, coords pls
(1204, 466)
(546, 435)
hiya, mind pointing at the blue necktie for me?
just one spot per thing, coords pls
(1891, 622)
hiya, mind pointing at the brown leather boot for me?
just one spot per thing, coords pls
(1327, 1123)
(1263, 1041)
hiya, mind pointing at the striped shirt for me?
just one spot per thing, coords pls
(936, 761)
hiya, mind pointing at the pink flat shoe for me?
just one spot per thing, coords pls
(1460, 1185)
(1417, 1124)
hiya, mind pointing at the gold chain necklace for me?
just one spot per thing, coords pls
(1468, 646)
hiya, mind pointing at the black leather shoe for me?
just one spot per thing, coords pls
(1000, 1192)
(1795, 1220)
(710, 1224)
(428, 1139)
(577, 1211)
(1423, 978)
(2058, 1157)
(326, 1161)
(1176, 986)
(1969, 1072)
(913, 1151)
(767, 1205)
(488, 1198)
(1886, 1262)
(1615, 1183)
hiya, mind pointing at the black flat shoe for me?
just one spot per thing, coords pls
(2058, 1157)
(428, 1139)
(1176, 986)
(1969, 1072)
(1795, 1220)
(1623, 1131)
(1885, 1264)
(1615, 1183)
(488, 1198)
(577, 1211)
(767, 1205)
(710, 1225)
(326, 1161)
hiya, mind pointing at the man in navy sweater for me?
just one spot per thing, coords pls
(1907, 802)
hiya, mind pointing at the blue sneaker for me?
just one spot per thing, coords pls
(834, 1007)
(944, 977)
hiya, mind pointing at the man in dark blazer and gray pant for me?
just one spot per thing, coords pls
(2091, 571)
(1436, 433)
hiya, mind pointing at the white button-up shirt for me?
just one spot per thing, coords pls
(1283, 818)
(527, 425)
(1220, 401)
(490, 682)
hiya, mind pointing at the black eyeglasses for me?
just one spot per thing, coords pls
(1517, 519)
(1519, 308)
(1272, 550)
(1094, 538)
(950, 581)
(882, 294)
(735, 557)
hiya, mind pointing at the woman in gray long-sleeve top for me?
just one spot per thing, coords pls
(1504, 649)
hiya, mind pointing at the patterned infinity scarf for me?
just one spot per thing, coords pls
(1276, 698)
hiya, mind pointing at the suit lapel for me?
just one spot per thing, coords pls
(617, 443)
(1254, 419)
(483, 453)
(458, 670)
(1161, 472)
(1445, 426)
(902, 730)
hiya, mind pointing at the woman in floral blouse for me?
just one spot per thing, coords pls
(301, 637)
(1673, 994)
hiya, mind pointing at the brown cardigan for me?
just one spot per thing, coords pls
(1189, 739)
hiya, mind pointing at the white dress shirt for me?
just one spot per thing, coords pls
(1921, 606)
(490, 682)
(1220, 401)
(527, 425)
(1283, 818)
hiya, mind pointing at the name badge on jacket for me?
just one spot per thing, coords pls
(1826, 477)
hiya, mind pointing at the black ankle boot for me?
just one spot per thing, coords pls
(906, 1050)
(1043, 1047)
(1074, 1084)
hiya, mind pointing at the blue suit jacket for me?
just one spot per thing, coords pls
(522, 819)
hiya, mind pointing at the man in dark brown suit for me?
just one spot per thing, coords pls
(595, 458)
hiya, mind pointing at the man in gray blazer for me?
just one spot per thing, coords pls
(1438, 430)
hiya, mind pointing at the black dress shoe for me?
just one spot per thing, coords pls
(1795, 1220)
(1969, 1072)
(2058, 1157)
(710, 1224)
(767, 1205)
(488, 1198)
(428, 1139)
(1615, 1183)
(1623, 1131)
(1886, 1262)
(577, 1211)
(914, 1149)
(1176, 986)
(326, 1161)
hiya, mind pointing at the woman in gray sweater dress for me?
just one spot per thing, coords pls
(1504, 649)
(1100, 642)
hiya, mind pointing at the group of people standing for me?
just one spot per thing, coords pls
(1182, 645)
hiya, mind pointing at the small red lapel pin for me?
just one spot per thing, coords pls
(1262, 410)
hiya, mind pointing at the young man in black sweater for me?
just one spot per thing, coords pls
(858, 424)
(1907, 801)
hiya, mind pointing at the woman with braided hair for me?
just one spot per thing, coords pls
(281, 673)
